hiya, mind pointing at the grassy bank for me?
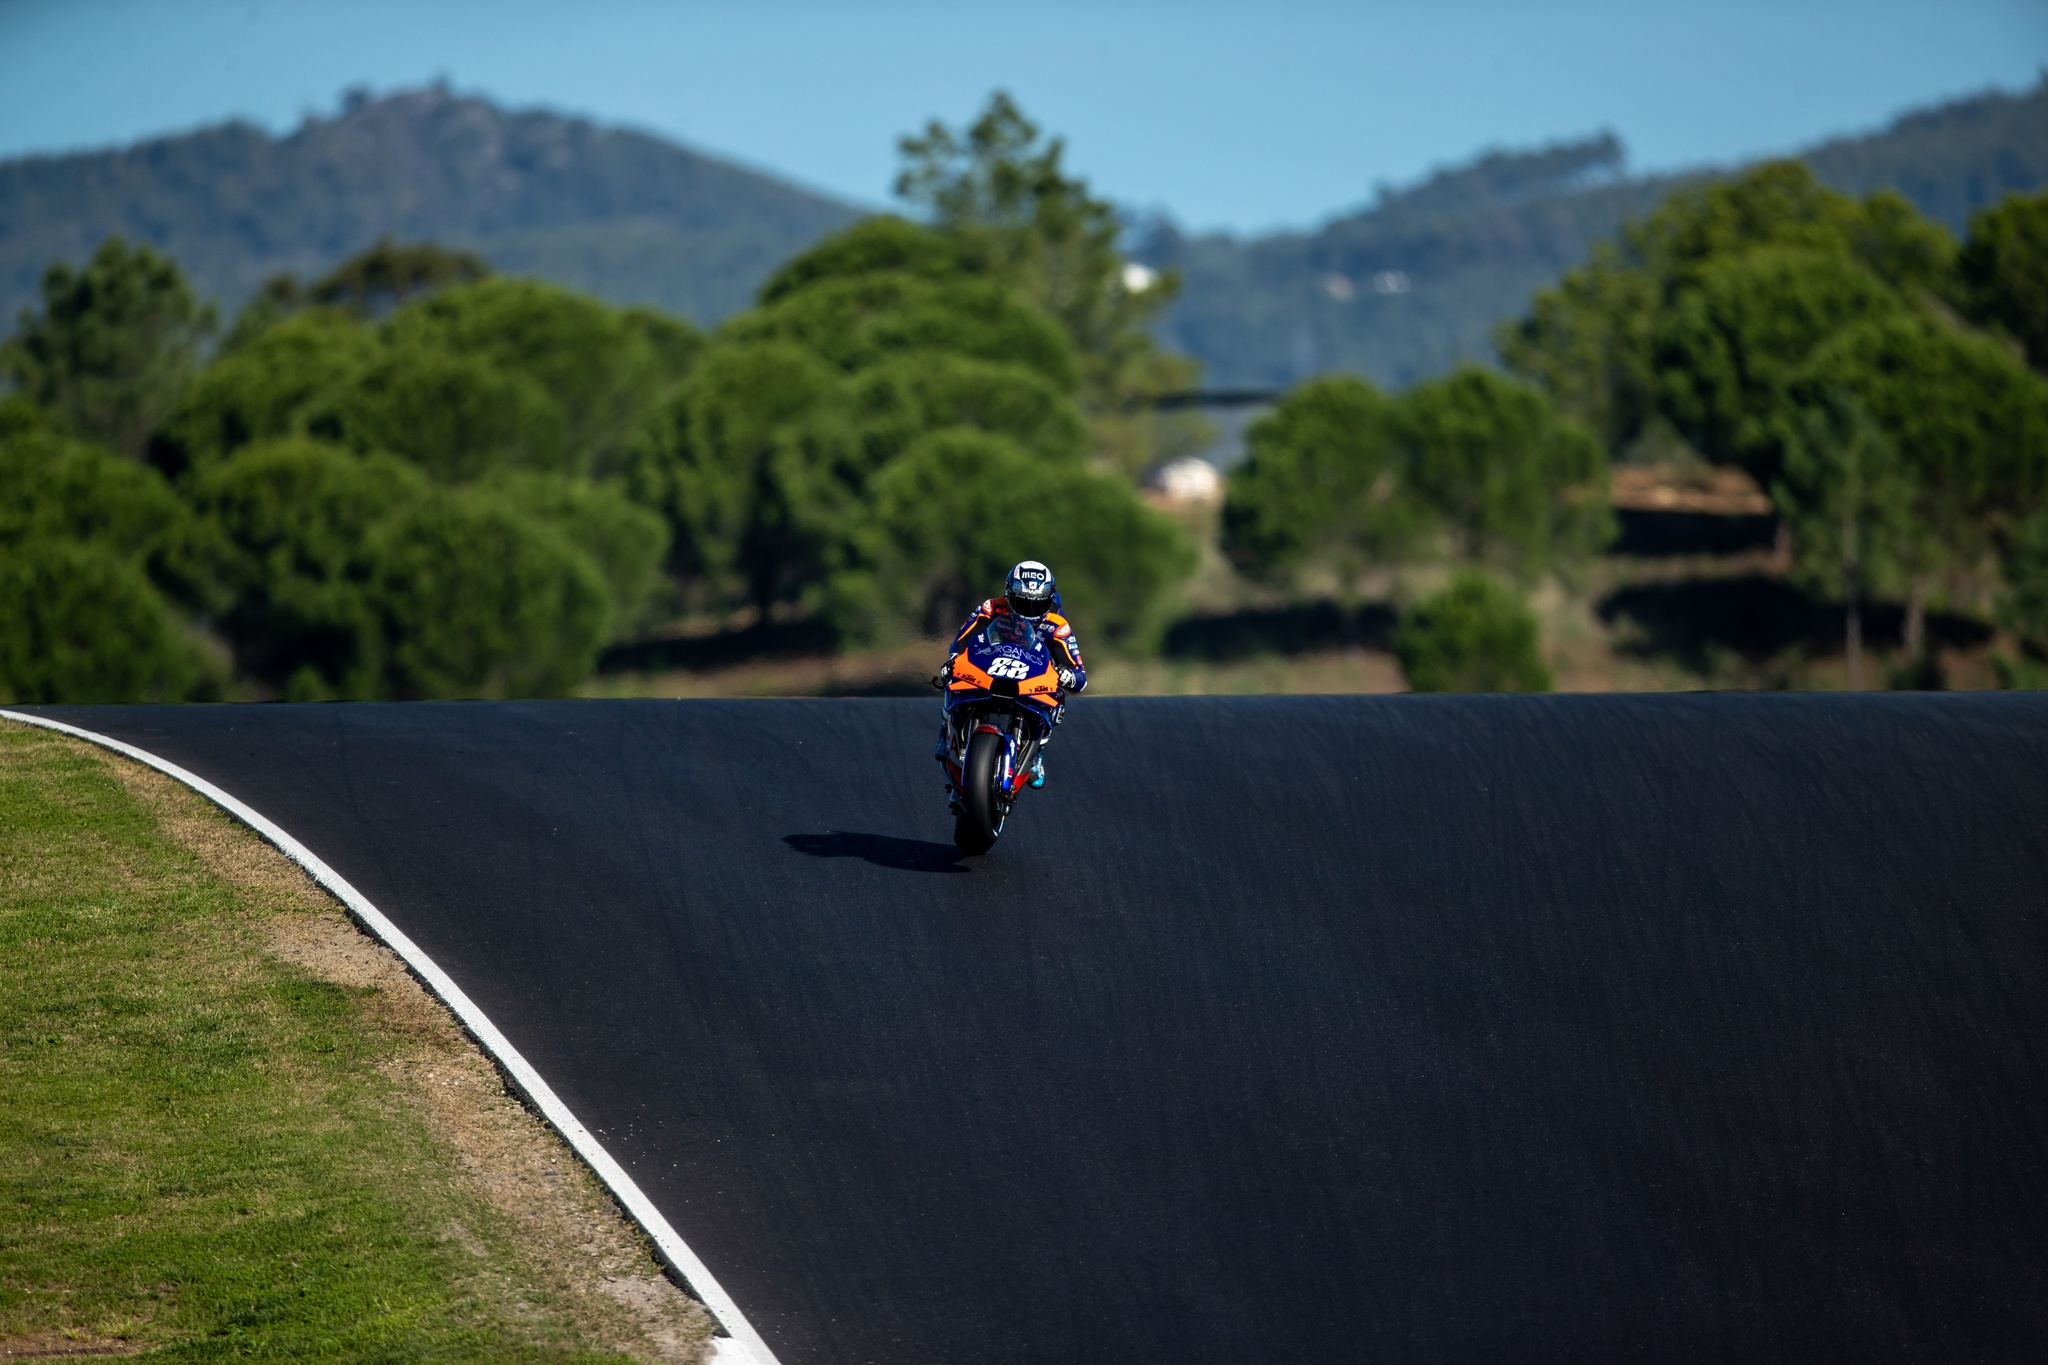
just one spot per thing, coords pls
(234, 1128)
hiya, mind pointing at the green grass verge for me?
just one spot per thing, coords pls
(198, 1153)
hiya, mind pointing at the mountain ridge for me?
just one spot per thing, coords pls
(1402, 287)
(615, 211)
(1412, 283)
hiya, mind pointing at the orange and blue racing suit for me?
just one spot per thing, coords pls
(1053, 628)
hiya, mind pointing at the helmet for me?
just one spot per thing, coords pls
(1029, 589)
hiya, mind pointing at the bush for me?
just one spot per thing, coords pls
(1474, 636)
(80, 623)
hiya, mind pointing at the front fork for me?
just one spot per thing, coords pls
(1018, 751)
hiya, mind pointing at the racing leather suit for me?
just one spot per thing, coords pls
(1055, 629)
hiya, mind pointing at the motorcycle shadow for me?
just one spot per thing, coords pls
(883, 850)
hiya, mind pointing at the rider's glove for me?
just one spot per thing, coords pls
(1067, 679)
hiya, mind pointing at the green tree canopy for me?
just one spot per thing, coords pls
(1474, 463)
(1728, 348)
(388, 274)
(856, 321)
(81, 533)
(113, 346)
(999, 189)
(288, 381)
(961, 506)
(625, 541)
(755, 463)
(884, 359)
(1513, 483)
(2005, 271)
(79, 622)
(1324, 482)
(1592, 338)
(475, 600)
(356, 576)
(296, 515)
(1968, 423)
(601, 367)
(55, 486)
(499, 374)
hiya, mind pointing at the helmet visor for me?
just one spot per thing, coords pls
(1033, 607)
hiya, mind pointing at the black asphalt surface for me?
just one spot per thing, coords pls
(1275, 1030)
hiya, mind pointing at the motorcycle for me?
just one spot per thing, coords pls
(1002, 699)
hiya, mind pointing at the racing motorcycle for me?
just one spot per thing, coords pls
(1002, 699)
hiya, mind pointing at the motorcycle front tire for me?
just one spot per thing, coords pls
(980, 819)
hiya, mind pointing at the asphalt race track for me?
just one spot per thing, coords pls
(1275, 1030)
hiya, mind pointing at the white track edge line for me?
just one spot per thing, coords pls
(673, 1248)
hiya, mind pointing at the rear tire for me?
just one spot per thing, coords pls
(980, 819)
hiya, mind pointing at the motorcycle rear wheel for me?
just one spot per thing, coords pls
(981, 813)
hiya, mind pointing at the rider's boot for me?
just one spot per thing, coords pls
(1038, 771)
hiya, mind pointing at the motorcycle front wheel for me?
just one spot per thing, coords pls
(981, 813)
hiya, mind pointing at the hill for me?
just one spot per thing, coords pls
(1409, 286)
(622, 214)
(1400, 290)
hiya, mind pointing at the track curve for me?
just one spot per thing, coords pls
(1289, 1029)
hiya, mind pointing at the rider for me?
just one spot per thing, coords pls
(1029, 593)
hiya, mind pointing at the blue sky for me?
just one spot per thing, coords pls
(1240, 115)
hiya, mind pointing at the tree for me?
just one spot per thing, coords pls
(296, 516)
(452, 412)
(492, 375)
(55, 486)
(1847, 499)
(81, 530)
(603, 369)
(387, 274)
(114, 345)
(80, 623)
(1587, 341)
(1591, 340)
(2005, 271)
(1323, 482)
(856, 321)
(1513, 483)
(999, 187)
(1968, 425)
(756, 466)
(475, 600)
(287, 381)
(961, 506)
(1729, 346)
(2023, 608)
(890, 419)
(1473, 636)
(625, 541)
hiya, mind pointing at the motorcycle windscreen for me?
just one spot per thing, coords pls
(1012, 656)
